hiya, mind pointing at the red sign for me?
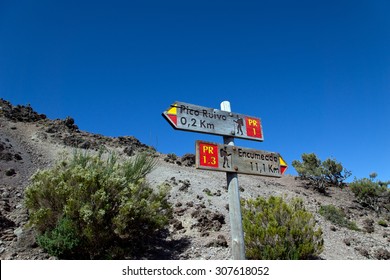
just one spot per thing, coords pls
(208, 155)
(253, 127)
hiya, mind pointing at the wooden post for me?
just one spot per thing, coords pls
(238, 245)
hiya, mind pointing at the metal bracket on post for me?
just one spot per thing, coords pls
(237, 233)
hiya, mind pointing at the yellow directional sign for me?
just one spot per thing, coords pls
(283, 165)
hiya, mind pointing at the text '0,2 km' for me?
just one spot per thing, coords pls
(184, 116)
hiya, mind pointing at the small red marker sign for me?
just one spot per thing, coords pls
(208, 154)
(253, 127)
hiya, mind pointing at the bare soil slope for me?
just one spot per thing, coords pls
(200, 229)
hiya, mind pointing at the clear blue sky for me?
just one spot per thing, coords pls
(316, 72)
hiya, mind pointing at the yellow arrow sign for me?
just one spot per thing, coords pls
(283, 165)
(172, 110)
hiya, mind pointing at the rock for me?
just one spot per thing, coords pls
(72, 141)
(85, 145)
(129, 151)
(184, 185)
(5, 205)
(18, 232)
(5, 223)
(219, 242)
(79, 142)
(368, 225)
(382, 254)
(364, 252)
(6, 156)
(170, 158)
(20, 113)
(51, 129)
(25, 238)
(190, 204)
(18, 157)
(179, 211)
(5, 194)
(347, 241)
(10, 172)
(69, 122)
(207, 191)
(188, 160)
(199, 206)
(177, 225)
(207, 220)
(133, 144)
(173, 181)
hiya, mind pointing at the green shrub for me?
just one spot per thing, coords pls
(383, 223)
(87, 206)
(371, 194)
(61, 241)
(337, 217)
(321, 174)
(278, 230)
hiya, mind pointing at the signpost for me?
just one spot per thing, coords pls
(236, 231)
(184, 116)
(227, 157)
(220, 157)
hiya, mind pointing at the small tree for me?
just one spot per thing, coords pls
(373, 175)
(334, 172)
(310, 169)
(276, 230)
(321, 174)
(372, 194)
(89, 207)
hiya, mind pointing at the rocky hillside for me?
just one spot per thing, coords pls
(200, 228)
